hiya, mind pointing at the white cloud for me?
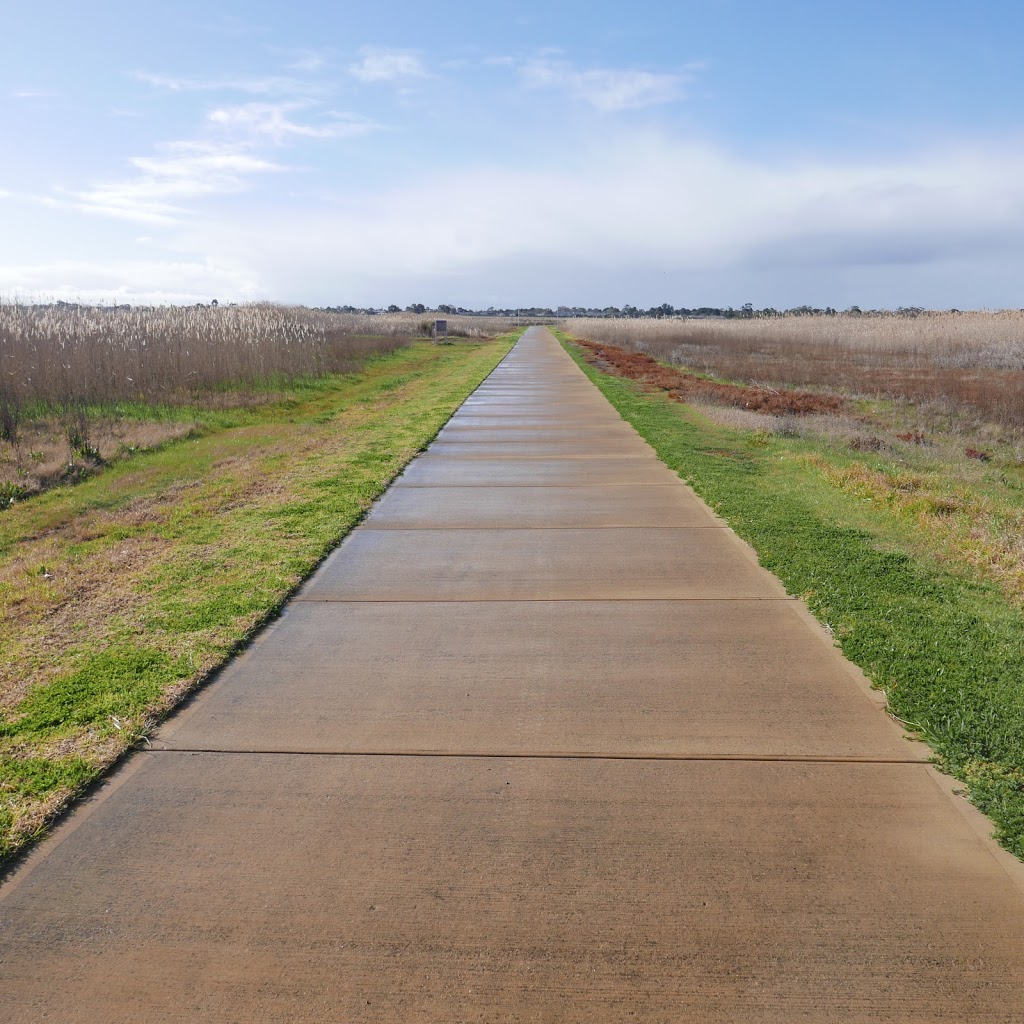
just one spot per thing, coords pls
(271, 121)
(638, 206)
(634, 217)
(307, 61)
(257, 86)
(134, 281)
(181, 171)
(226, 161)
(608, 89)
(379, 64)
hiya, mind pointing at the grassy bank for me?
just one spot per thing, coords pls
(940, 633)
(120, 594)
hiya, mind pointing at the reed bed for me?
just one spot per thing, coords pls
(968, 363)
(80, 384)
(65, 356)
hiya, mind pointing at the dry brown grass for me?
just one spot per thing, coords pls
(831, 426)
(42, 456)
(969, 363)
(687, 387)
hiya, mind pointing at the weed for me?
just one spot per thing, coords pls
(867, 443)
(78, 437)
(10, 416)
(10, 493)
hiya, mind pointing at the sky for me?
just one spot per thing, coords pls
(700, 152)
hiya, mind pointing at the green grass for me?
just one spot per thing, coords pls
(946, 646)
(120, 594)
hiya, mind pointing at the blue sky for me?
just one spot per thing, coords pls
(709, 152)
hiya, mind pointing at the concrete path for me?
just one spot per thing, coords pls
(539, 742)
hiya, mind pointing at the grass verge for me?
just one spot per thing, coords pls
(120, 594)
(945, 644)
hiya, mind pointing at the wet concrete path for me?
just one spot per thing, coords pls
(539, 742)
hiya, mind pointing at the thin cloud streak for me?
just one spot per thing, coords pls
(33, 94)
(270, 121)
(608, 90)
(258, 86)
(381, 64)
(182, 171)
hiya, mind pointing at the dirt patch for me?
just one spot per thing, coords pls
(688, 387)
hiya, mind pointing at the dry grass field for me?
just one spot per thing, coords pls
(958, 366)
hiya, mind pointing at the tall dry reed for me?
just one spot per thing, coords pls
(69, 356)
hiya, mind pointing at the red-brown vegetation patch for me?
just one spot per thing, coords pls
(686, 387)
(968, 364)
(977, 453)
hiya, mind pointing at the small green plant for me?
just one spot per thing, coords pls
(78, 439)
(11, 492)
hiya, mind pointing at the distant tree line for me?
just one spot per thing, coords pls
(665, 310)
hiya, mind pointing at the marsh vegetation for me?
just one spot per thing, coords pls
(81, 386)
(970, 365)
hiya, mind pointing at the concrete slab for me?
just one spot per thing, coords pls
(454, 471)
(554, 392)
(508, 395)
(537, 389)
(601, 505)
(558, 418)
(597, 438)
(531, 408)
(235, 888)
(575, 448)
(518, 404)
(679, 678)
(532, 565)
(654, 803)
(546, 378)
